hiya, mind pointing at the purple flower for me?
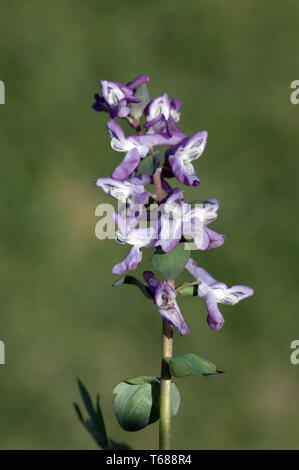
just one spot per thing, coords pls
(124, 191)
(138, 237)
(116, 96)
(133, 148)
(165, 299)
(216, 292)
(182, 155)
(179, 218)
(162, 115)
(195, 225)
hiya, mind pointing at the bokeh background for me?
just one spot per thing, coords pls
(231, 63)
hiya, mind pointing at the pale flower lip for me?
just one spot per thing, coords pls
(216, 292)
(124, 191)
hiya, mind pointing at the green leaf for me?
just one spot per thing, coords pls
(86, 399)
(79, 414)
(95, 423)
(137, 406)
(143, 94)
(190, 364)
(133, 405)
(132, 280)
(171, 264)
(188, 291)
(149, 164)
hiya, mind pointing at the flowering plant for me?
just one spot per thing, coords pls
(162, 221)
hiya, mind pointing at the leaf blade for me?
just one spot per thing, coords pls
(138, 405)
(190, 364)
(132, 280)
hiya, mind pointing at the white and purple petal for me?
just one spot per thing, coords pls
(158, 125)
(127, 166)
(158, 106)
(215, 319)
(165, 299)
(111, 93)
(124, 225)
(208, 212)
(115, 188)
(216, 239)
(121, 110)
(152, 282)
(183, 171)
(131, 261)
(195, 145)
(195, 229)
(199, 273)
(115, 130)
(234, 294)
(170, 233)
(143, 236)
(173, 129)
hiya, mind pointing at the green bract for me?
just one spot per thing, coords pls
(143, 94)
(171, 264)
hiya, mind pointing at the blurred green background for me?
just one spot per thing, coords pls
(231, 63)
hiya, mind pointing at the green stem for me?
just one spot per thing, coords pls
(165, 389)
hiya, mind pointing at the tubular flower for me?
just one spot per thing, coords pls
(124, 191)
(162, 115)
(116, 96)
(134, 150)
(216, 292)
(138, 237)
(182, 155)
(165, 299)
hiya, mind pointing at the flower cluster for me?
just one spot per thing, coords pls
(161, 220)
